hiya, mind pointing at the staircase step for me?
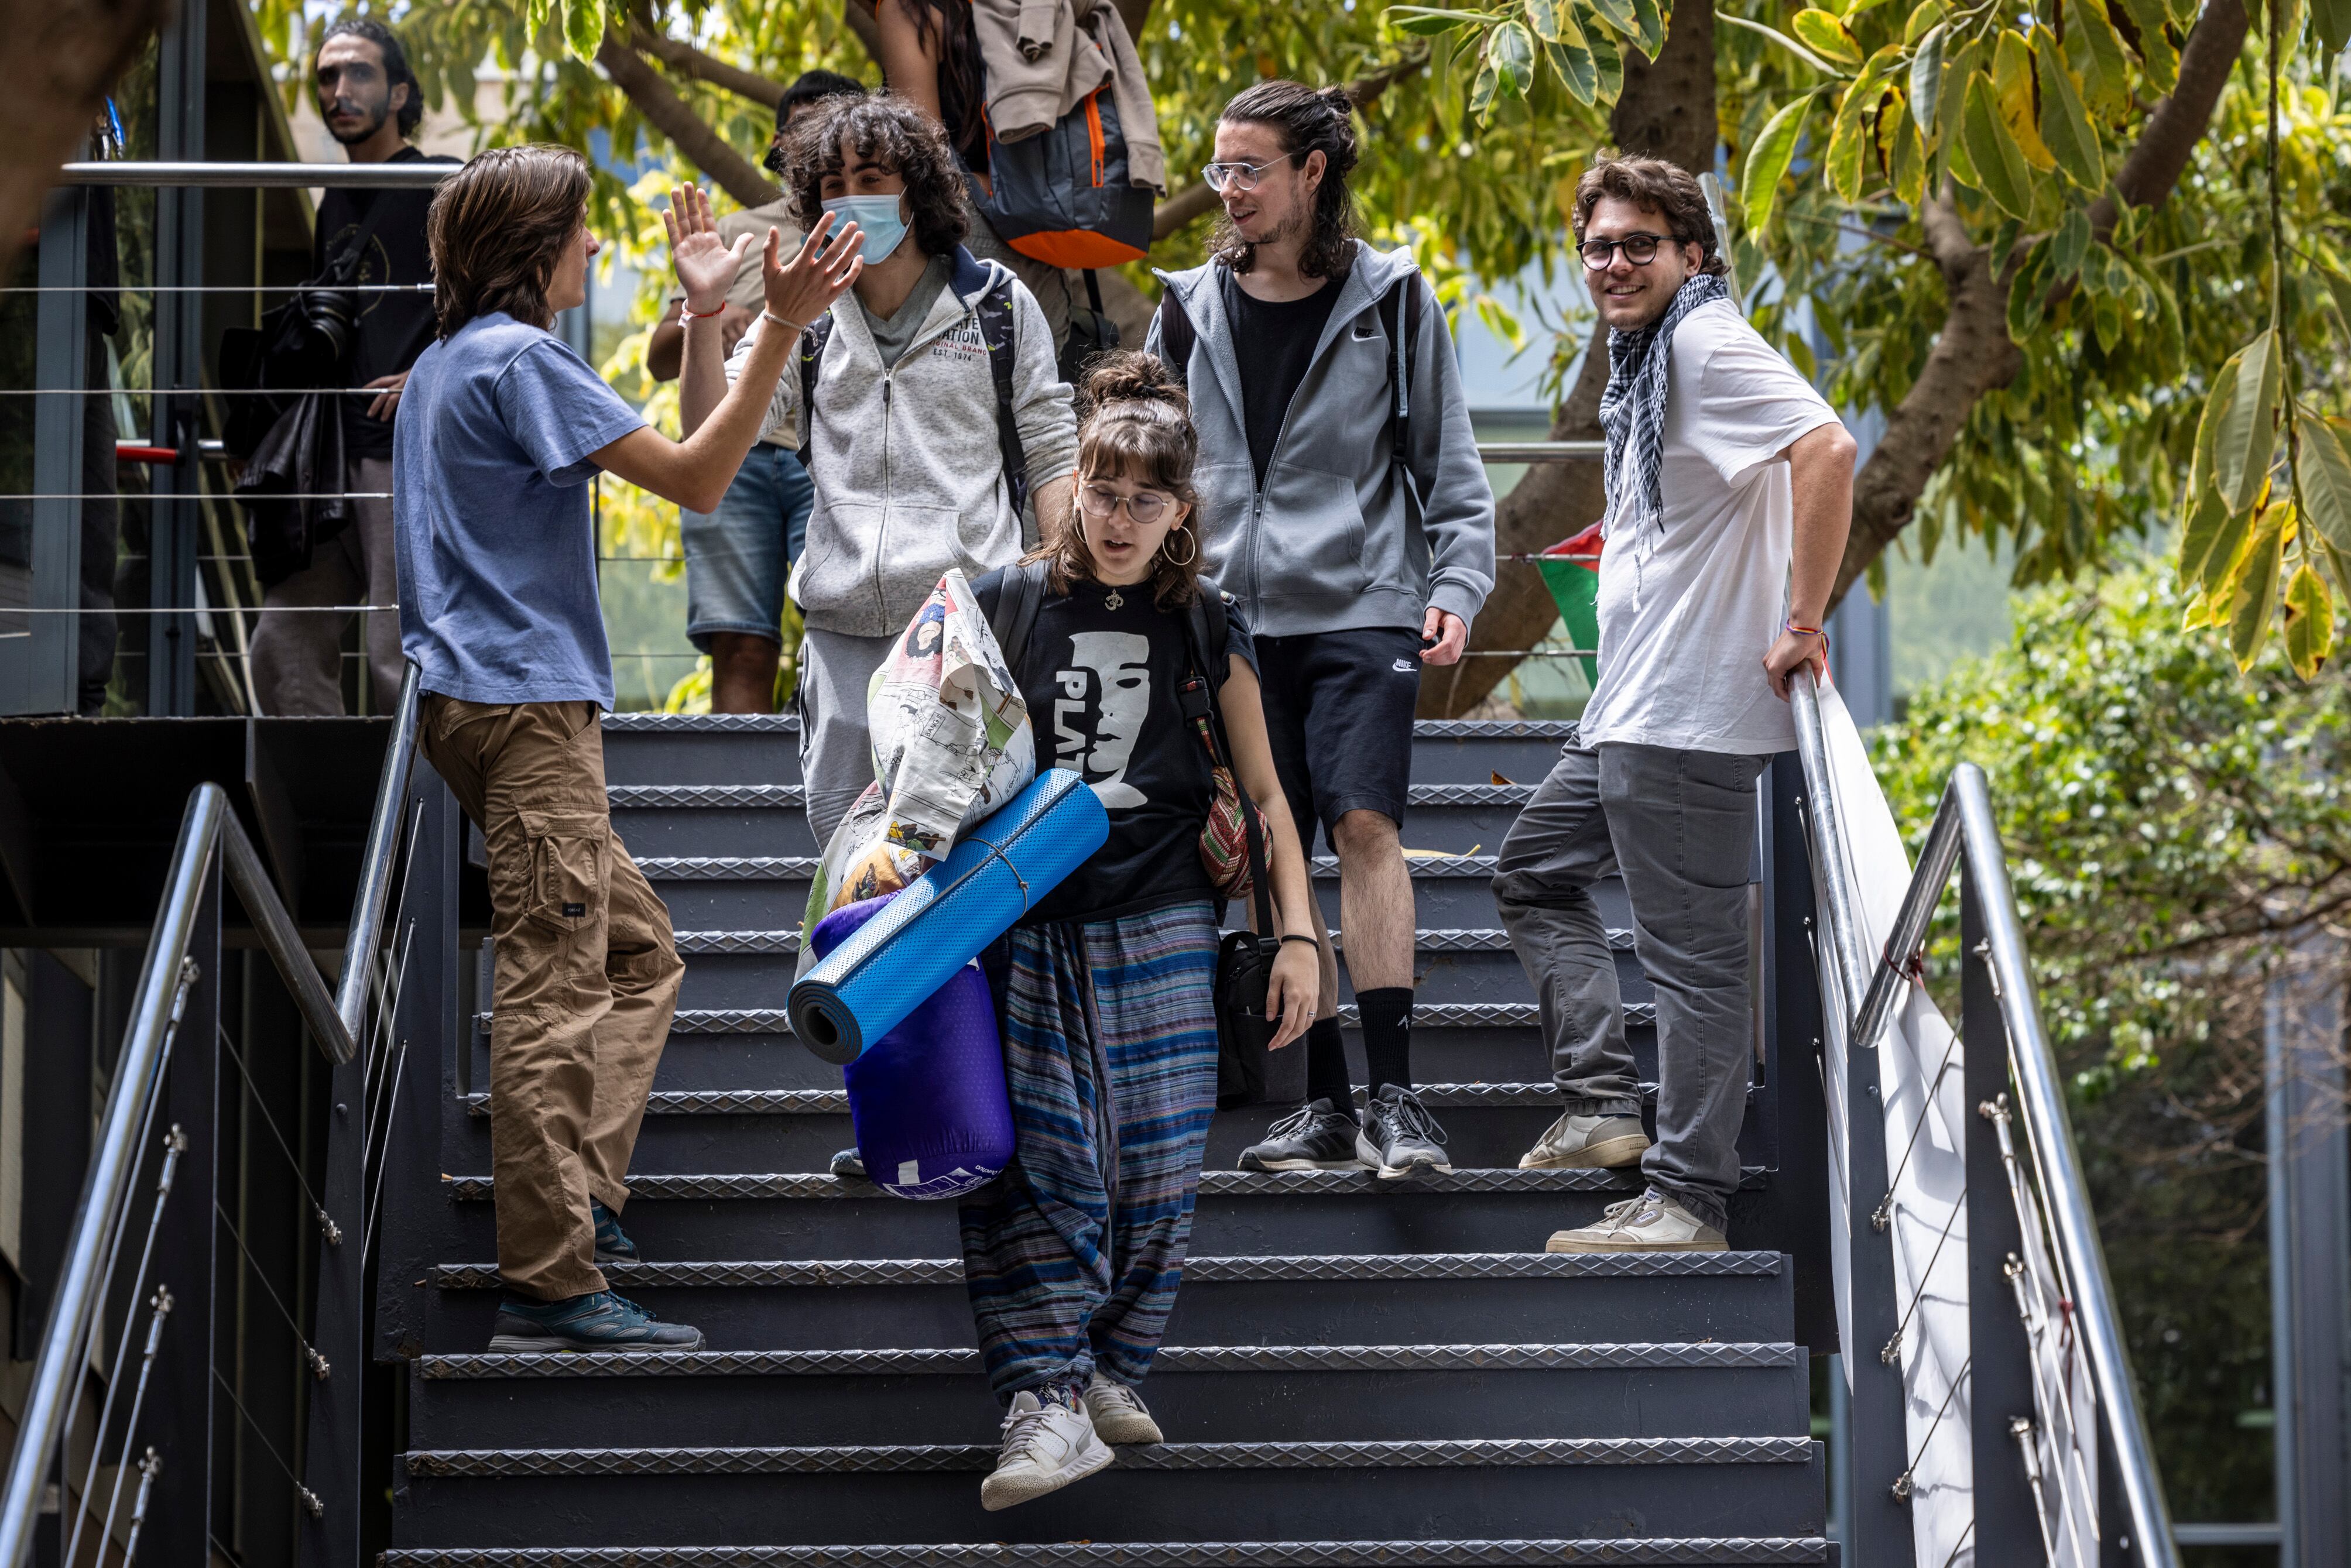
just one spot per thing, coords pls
(1205, 1393)
(1614, 1551)
(818, 1216)
(851, 1495)
(1413, 1299)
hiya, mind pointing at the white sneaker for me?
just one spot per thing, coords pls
(1046, 1444)
(1649, 1223)
(1118, 1413)
(1587, 1142)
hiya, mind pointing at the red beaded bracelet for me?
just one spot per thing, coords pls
(685, 314)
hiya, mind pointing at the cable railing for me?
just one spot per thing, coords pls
(1993, 1406)
(136, 1295)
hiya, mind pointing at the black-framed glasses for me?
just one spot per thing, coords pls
(1640, 249)
(1100, 503)
(1223, 177)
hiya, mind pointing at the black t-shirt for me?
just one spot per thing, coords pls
(393, 327)
(1101, 684)
(1274, 343)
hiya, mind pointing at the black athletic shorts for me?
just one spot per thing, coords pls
(1338, 709)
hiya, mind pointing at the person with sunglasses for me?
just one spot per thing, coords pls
(1350, 515)
(1730, 486)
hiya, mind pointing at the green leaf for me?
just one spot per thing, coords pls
(2309, 622)
(2028, 293)
(2065, 123)
(2326, 474)
(2336, 283)
(1768, 160)
(1781, 38)
(1512, 49)
(1609, 62)
(1997, 165)
(1826, 36)
(2242, 441)
(1618, 15)
(583, 27)
(1544, 19)
(1427, 21)
(2096, 52)
(1577, 71)
(1488, 81)
(2147, 41)
(1923, 20)
(2203, 531)
(1926, 77)
(2011, 81)
(1649, 27)
(1903, 150)
(2330, 20)
(2253, 590)
(2073, 244)
(1849, 135)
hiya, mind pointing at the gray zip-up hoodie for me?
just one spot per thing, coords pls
(909, 478)
(1330, 543)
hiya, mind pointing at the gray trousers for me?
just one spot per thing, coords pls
(297, 651)
(836, 747)
(1678, 826)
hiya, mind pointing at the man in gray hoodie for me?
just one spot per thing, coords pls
(1344, 503)
(940, 432)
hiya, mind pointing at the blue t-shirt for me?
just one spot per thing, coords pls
(498, 551)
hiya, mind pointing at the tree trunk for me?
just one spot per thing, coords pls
(1666, 110)
(673, 118)
(69, 53)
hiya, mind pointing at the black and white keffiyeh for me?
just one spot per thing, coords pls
(1633, 409)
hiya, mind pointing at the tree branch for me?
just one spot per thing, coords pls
(1972, 354)
(1196, 199)
(673, 118)
(689, 61)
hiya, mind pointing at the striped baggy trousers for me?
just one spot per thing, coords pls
(1072, 1257)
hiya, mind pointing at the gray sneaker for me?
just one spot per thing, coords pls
(1118, 1414)
(598, 1321)
(1314, 1137)
(1397, 1137)
(1587, 1143)
(1649, 1223)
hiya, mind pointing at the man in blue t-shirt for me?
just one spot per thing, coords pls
(501, 424)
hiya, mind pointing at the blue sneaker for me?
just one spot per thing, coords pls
(598, 1321)
(613, 1243)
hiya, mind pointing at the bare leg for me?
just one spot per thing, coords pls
(1375, 903)
(743, 672)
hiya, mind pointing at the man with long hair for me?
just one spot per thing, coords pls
(928, 407)
(1724, 468)
(499, 613)
(1349, 513)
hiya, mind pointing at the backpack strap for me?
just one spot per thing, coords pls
(1197, 696)
(1399, 312)
(996, 330)
(812, 345)
(1020, 591)
(1176, 338)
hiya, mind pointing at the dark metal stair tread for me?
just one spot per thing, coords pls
(1425, 1015)
(782, 723)
(1433, 939)
(777, 868)
(1616, 1552)
(1219, 1183)
(854, 1363)
(1347, 1267)
(835, 1102)
(901, 1459)
(771, 797)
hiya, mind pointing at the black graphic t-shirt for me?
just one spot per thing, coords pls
(1100, 675)
(393, 327)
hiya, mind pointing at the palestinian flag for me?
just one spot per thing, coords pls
(1571, 569)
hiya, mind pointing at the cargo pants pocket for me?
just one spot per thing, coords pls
(567, 867)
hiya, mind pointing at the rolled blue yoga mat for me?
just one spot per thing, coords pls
(996, 873)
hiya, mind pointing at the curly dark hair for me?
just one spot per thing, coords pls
(1654, 185)
(890, 131)
(1138, 426)
(1309, 119)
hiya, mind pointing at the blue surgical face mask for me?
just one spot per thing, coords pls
(878, 217)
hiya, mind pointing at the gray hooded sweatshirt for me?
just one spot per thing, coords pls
(1333, 542)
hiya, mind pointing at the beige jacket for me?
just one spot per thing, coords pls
(1043, 57)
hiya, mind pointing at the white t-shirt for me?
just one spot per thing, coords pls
(1688, 609)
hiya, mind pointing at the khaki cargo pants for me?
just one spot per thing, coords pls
(588, 976)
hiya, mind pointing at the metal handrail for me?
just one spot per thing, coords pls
(1964, 825)
(375, 867)
(405, 176)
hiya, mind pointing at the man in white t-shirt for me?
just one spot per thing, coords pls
(1725, 470)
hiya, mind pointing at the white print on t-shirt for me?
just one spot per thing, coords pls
(1119, 663)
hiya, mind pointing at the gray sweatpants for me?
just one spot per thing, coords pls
(836, 748)
(1678, 826)
(298, 648)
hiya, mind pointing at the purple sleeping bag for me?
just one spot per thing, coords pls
(928, 1099)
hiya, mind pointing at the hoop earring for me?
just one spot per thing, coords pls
(1187, 559)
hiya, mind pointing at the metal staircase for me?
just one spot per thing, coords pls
(1357, 1371)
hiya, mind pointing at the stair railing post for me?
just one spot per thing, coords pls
(2008, 1529)
(330, 1466)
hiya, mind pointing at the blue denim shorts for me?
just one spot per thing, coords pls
(738, 557)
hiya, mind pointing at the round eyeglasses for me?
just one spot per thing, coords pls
(1640, 249)
(1145, 507)
(1223, 177)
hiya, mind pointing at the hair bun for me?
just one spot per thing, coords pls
(1339, 96)
(1129, 375)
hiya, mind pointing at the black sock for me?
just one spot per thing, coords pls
(1387, 1035)
(1326, 1067)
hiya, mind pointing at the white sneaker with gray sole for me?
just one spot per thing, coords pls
(1118, 1413)
(1046, 1444)
(1649, 1223)
(1588, 1144)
